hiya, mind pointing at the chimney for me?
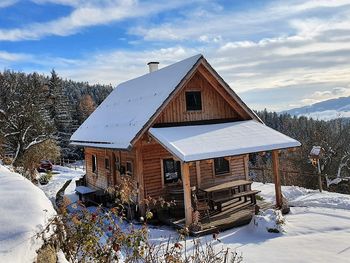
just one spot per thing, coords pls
(153, 66)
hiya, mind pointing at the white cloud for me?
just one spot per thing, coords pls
(86, 14)
(13, 57)
(7, 3)
(333, 93)
(297, 52)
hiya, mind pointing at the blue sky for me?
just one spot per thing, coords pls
(275, 54)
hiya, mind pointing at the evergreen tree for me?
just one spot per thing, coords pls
(61, 113)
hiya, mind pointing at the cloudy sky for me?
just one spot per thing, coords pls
(275, 54)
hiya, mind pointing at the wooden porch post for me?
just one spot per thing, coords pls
(139, 177)
(198, 173)
(187, 193)
(277, 179)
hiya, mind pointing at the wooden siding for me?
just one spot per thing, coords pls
(153, 153)
(106, 177)
(237, 171)
(213, 105)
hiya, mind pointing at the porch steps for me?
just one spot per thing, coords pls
(234, 214)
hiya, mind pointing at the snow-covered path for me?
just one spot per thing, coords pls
(60, 176)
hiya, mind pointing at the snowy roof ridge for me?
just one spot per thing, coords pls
(129, 107)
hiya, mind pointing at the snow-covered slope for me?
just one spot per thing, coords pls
(24, 211)
(325, 110)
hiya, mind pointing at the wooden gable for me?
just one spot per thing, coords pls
(221, 102)
(217, 103)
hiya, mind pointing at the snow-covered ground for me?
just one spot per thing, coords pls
(316, 230)
(24, 211)
(299, 196)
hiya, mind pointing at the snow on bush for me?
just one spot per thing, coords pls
(24, 210)
(268, 221)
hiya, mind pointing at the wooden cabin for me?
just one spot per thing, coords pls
(181, 125)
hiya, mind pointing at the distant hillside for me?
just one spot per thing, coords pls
(325, 110)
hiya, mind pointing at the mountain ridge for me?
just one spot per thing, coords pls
(324, 110)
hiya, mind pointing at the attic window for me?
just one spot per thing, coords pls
(193, 101)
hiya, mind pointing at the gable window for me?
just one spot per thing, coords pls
(129, 168)
(94, 163)
(107, 163)
(193, 101)
(221, 166)
(171, 170)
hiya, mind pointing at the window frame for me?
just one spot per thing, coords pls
(176, 164)
(201, 100)
(132, 168)
(222, 173)
(94, 166)
(107, 160)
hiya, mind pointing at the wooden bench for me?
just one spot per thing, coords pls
(251, 194)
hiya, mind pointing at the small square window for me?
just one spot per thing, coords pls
(107, 164)
(172, 170)
(193, 101)
(221, 166)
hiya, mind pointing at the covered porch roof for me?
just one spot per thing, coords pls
(200, 142)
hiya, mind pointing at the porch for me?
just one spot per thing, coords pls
(234, 213)
(229, 203)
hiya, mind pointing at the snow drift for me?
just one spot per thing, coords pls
(24, 210)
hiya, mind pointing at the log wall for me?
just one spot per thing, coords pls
(106, 177)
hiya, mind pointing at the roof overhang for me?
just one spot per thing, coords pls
(200, 142)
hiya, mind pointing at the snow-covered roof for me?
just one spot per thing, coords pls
(119, 118)
(199, 142)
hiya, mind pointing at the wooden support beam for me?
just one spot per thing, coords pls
(198, 173)
(246, 166)
(139, 176)
(277, 179)
(187, 193)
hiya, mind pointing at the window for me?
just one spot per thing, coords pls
(94, 163)
(193, 100)
(107, 164)
(221, 166)
(117, 162)
(172, 170)
(129, 168)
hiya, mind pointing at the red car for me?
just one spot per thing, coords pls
(45, 166)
